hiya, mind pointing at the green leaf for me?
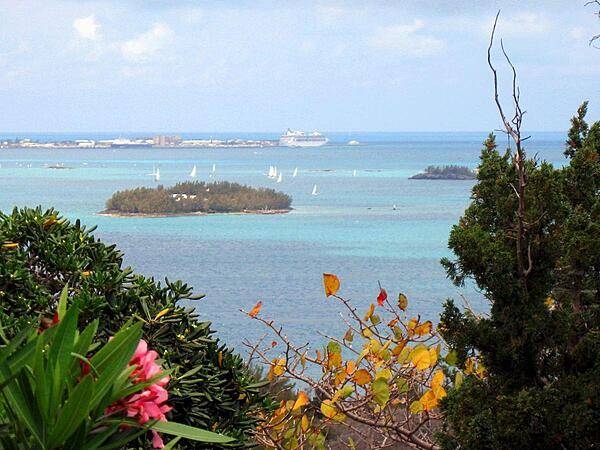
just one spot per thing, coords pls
(20, 397)
(452, 358)
(187, 432)
(73, 413)
(62, 302)
(334, 348)
(381, 391)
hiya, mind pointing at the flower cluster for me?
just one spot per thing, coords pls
(150, 402)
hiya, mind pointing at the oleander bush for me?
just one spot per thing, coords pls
(40, 252)
(61, 389)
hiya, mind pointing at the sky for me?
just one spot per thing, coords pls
(160, 65)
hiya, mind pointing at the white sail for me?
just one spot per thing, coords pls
(280, 177)
(354, 173)
(314, 191)
(157, 175)
(193, 172)
(272, 172)
(214, 168)
(295, 172)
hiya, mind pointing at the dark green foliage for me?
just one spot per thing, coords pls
(540, 343)
(210, 387)
(197, 196)
(451, 172)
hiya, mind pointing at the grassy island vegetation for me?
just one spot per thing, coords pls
(198, 197)
(451, 172)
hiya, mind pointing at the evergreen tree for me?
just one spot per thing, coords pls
(540, 343)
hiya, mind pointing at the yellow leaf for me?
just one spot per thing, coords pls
(362, 377)
(343, 393)
(385, 374)
(254, 311)
(331, 283)
(86, 273)
(424, 328)
(420, 357)
(436, 384)
(429, 401)
(458, 379)
(433, 356)
(416, 407)
(162, 313)
(480, 371)
(304, 423)
(301, 400)
(329, 410)
(381, 392)
(370, 312)
(367, 333)
(220, 359)
(277, 368)
(402, 302)
(9, 245)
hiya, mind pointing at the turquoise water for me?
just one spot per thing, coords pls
(350, 229)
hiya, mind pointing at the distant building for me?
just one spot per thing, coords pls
(166, 141)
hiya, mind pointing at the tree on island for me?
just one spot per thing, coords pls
(529, 240)
(198, 196)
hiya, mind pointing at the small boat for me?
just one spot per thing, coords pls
(314, 191)
(295, 172)
(214, 168)
(193, 172)
(354, 173)
(280, 177)
(157, 175)
(353, 142)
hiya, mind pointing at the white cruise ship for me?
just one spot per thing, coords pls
(301, 139)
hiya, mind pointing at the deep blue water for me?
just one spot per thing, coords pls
(349, 229)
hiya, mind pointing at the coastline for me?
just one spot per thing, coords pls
(196, 213)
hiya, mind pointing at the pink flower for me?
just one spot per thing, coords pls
(150, 402)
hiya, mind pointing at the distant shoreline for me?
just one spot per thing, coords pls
(108, 213)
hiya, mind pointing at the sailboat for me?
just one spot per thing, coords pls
(295, 172)
(193, 172)
(354, 173)
(280, 177)
(314, 191)
(214, 168)
(157, 175)
(272, 172)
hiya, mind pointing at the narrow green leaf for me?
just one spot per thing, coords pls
(185, 431)
(73, 413)
(62, 302)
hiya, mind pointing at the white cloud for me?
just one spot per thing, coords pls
(147, 44)
(87, 27)
(523, 24)
(406, 39)
(578, 33)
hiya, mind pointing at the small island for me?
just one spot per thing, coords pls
(451, 172)
(197, 197)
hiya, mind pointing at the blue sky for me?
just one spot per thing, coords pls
(267, 65)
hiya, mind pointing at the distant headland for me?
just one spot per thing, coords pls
(446, 173)
(197, 198)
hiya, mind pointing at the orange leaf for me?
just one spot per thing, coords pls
(402, 301)
(362, 377)
(382, 297)
(254, 311)
(424, 328)
(350, 367)
(331, 283)
(429, 401)
(301, 400)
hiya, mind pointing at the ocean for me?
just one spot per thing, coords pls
(351, 228)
